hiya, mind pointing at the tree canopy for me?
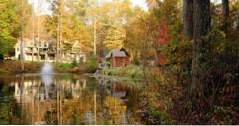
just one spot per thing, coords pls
(12, 13)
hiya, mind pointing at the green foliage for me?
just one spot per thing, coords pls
(1, 56)
(74, 63)
(10, 20)
(91, 64)
(4, 113)
(159, 116)
(131, 71)
(64, 65)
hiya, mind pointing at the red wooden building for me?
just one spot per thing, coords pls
(118, 57)
(161, 59)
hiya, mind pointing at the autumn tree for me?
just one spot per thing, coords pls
(72, 23)
(7, 19)
(11, 18)
(136, 37)
(152, 4)
(112, 18)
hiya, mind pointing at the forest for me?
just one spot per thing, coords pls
(185, 52)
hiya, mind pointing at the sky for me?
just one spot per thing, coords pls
(140, 3)
(44, 5)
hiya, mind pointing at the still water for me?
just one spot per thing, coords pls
(67, 99)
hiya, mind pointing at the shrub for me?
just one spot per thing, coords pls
(65, 65)
(74, 63)
(132, 71)
(1, 57)
(91, 64)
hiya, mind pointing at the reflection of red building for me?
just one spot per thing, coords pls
(118, 57)
(161, 59)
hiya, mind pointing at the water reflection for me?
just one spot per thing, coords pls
(68, 99)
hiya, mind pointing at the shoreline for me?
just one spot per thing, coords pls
(12, 67)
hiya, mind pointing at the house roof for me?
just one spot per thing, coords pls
(117, 53)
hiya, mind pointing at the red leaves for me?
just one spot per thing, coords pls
(163, 36)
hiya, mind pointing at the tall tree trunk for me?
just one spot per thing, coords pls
(59, 31)
(202, 20)
(33, 31)
(225, 11)
(188, 18)
(21, 41)
(95, 37)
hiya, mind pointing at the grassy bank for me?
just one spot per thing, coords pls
(14, 67)
(131, 71)
(74, 68)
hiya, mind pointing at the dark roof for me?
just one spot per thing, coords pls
(117, 53)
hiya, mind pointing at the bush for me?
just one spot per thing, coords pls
(74, 63)
(132, 71)
(1, 57)
(64, 65)
(91, 64)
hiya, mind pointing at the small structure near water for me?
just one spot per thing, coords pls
(118, 57)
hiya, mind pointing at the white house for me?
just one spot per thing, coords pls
(38, 51)
(46, 51)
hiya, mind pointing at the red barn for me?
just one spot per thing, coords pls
(118, 57)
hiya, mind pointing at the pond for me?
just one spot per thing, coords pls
(67, 99)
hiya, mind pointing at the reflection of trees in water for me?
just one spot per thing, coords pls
(118, 99)
(52, 91)
(50, 117)
(77, 96)
(10, 111)
(116, 110)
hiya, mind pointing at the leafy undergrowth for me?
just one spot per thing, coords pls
(157, 98)
(169, 100)
(219, 99)
(90, 66)
(220, 103)
(14, 67)
(131, 71)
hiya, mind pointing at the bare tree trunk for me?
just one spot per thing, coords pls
(38, 33)
(188, 18)
(237, 23)
(202, 20)
(21, 52)
(33, 29)
(225, 11)
(95, 37)
(59, 31)
(57, 42)
(22, 42)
